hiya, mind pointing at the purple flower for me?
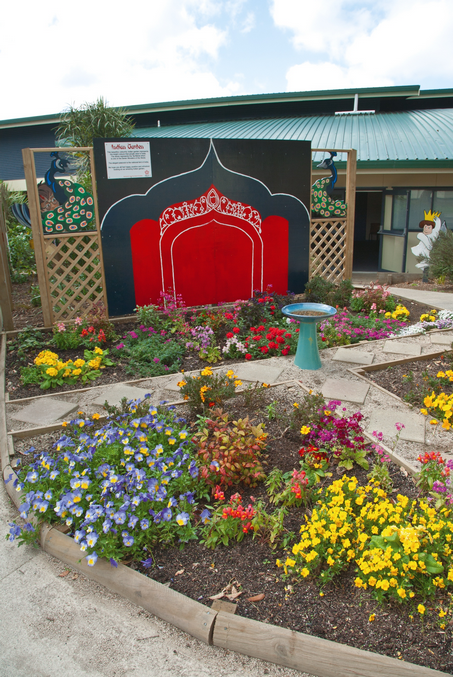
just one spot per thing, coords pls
(156, 360)
(147, 563)
(91, 559)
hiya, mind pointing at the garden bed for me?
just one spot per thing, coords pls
(247, 571)
(118, 373)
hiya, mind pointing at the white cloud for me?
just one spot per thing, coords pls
(374, 43)
(159, 51)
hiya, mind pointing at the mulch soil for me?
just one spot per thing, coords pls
(413, 380)
(339, 611)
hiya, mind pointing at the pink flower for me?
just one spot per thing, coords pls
(60, 326)
(78, 321)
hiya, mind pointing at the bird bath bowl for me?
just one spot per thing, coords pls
(307, 354)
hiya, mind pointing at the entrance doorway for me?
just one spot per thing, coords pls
(368, 213)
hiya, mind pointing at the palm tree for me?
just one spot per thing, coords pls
(79, 126)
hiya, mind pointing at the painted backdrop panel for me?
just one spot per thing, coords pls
(216, 220)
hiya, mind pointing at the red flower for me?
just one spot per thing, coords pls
(236, 330)
(248, 356)
(228, 316)
(285, 351)
(272, 307)
(230, 335)
(264, 349)
(261, 327)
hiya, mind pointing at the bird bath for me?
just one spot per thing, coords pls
(307, 354)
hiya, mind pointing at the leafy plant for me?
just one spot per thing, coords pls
(68, 337)
(210, 354)
(380, 470)
(208, 389)
(231, 522)
(35, 296)
(49, 371)
(255, 395)
(149, 316)
(291, 488)
(374, 298)
(20, 253)
(98, 319)
(28, 339)
(146, 352)
(230, 452)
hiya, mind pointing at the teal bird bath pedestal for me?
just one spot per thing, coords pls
(307, 354)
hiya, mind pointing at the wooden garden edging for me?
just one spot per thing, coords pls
(285, 647)
(288, 648)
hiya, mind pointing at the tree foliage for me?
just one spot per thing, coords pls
(79, 126)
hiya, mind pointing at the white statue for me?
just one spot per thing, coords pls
(432, 226)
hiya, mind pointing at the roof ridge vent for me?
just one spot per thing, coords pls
(355, 110)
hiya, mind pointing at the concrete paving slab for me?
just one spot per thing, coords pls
(434, 299)
(442, 339)
(344, 390)
(353, 356)
(402, 348)
(173, 383)
(384, 420)
(115, 394)
(258, 372)
(44, 411)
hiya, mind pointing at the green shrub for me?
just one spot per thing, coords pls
(318, 290)
(441, 257)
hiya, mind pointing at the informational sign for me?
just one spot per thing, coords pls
(128, 159)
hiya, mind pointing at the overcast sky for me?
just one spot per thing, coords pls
(54, 55)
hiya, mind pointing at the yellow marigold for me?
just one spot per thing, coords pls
(96, 416)
(77, 372)
(207, 371)
(99, 351)
(401, 592)
(79, 363)
(421, 609)
(181, 384)
(237, 383)
(305, 430)
(52, 371)
(372, 617)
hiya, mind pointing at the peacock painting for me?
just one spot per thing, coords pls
(322, 203)
(65, 206)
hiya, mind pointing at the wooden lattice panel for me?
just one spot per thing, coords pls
(328, 249)
(74, 274)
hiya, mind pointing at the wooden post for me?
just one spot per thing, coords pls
(6, 302)
(38, 239)
(98, 227)
(351, 180)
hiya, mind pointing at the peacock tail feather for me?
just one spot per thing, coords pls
(322, 203)
(77, 213)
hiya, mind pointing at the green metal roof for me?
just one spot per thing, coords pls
(403, 137)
